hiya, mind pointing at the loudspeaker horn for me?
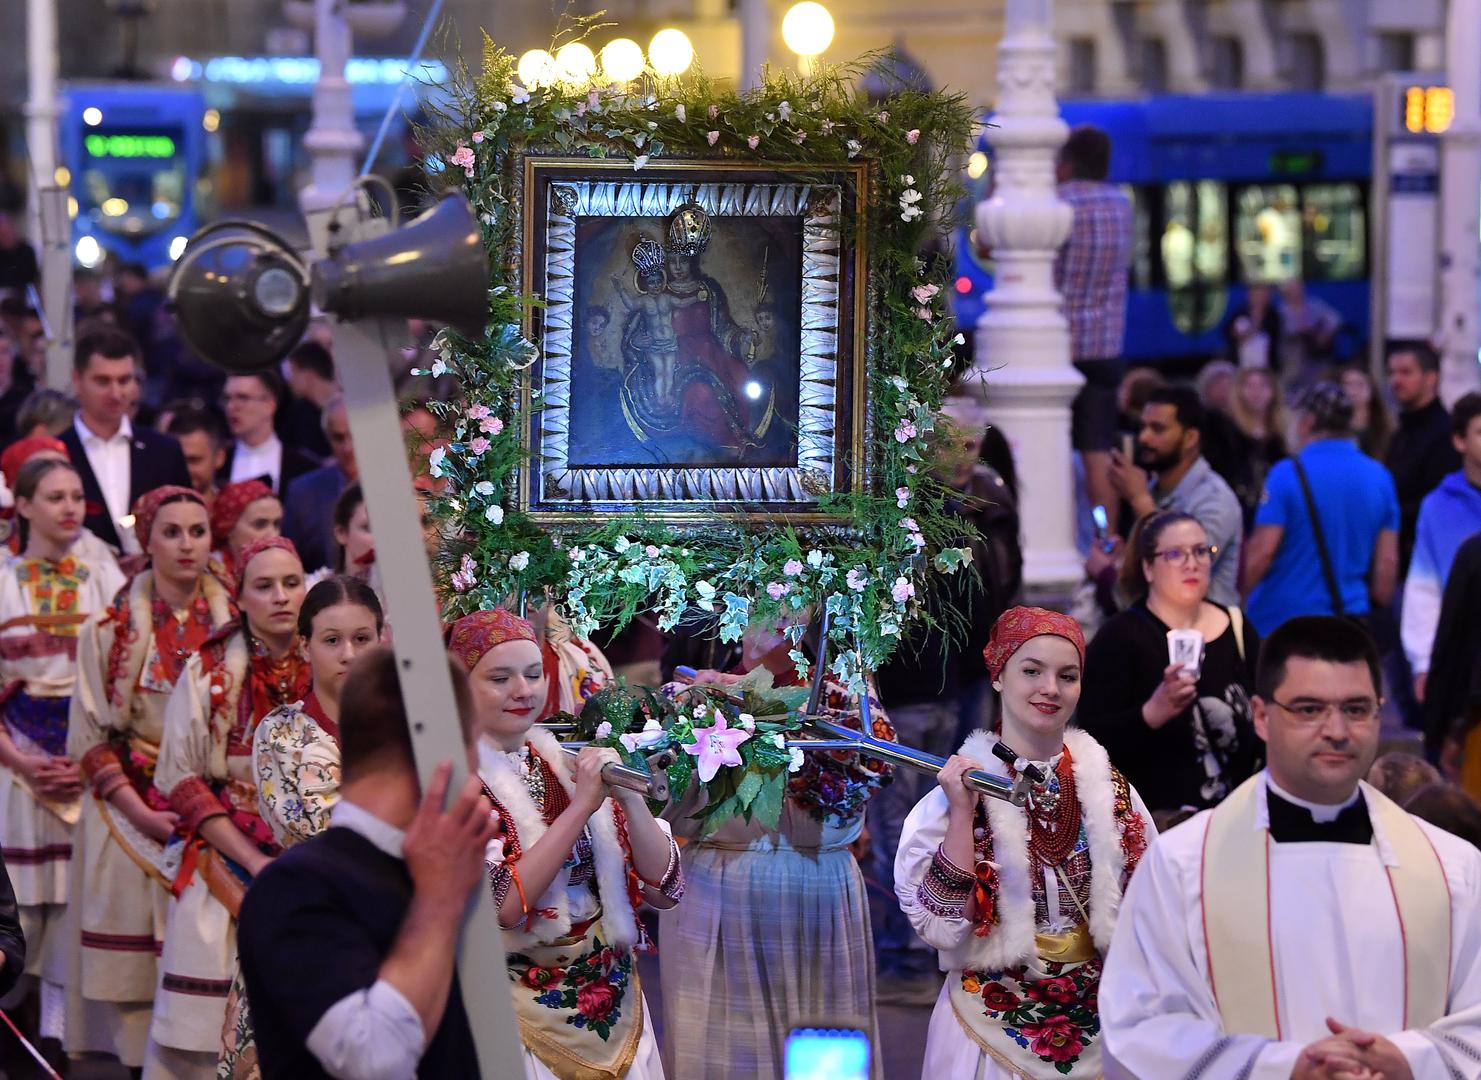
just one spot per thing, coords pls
(433, 268)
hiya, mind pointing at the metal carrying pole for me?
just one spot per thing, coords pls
(654, 784)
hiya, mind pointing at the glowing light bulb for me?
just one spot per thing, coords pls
(807, 28)
(671, 52)
(537, 68)
(622, 60)
(575, 63)
(977, 165)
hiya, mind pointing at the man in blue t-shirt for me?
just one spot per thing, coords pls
(1359, 513)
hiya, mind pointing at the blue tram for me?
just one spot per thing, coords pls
(1228, 189)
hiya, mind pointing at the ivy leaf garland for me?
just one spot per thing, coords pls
(867, 573)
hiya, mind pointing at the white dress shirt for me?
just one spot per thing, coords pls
(111, 462)
(372, 1034)
(264, 459)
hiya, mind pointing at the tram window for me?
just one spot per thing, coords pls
(1267, 232)
(1334, 231)
(1195, 254)
(1141, 237)
(132, 180)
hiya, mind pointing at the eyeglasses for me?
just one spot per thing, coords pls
(1355, 711)
(1181, 556)
(243, 399)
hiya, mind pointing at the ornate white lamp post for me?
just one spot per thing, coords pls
(333, 141)
(1460, 206)
(1023, 344)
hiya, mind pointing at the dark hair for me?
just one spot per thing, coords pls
(1448, 807)
(1141, 548)
(1332, 638)
(188, 418)
(1087, 152)
(1400, 774)
(1466, 409)
(339, 589)
(50, 408)
(134, 269)
(344, 510)
(28, 480)
(373, 729)
(271, 381)
(105, 340)
(997, 454)
(1423, 352)
(1185, 402)
(313, 357)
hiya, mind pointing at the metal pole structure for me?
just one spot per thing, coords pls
(755, 28)
(48, 207)
(333, 141)
(1460, 206)
(1023, 345)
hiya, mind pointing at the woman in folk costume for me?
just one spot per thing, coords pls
(573, 864)
(242, 512)
(87, 546)
(46, 594)
(205, 771)
(128, 660)
(574, 667)
(295, 756)
(775, 930)
(1022, 901)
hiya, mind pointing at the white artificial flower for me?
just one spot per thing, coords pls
(784, 110)
(435, 459)
(439, 368)
(679, 114)
(495, 514)
(520, 95)
(484, 487)
(639, 162)
(853, 148)
(815, 558)
(604, 730)
(520, 561)
(797, 759)
(746, 721)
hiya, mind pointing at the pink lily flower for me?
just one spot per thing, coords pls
(716, 746)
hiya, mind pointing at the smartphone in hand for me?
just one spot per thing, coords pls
(827, 1052)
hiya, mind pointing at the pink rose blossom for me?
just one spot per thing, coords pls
(492, 424)
(463, 158)
(479, 446)
(478, 136)
(883, 118)
(464, 579)
(712, 137)
(904, 432)
(776, 590)
(909, 523)
(753, 141)
(713, 111)
(793, 567)
(918, 540)
(902, 590)
(924, 314)
(478, 412)
(651, 551)
(856, 580)
(924, 294)
(902, 496)
(912, 136)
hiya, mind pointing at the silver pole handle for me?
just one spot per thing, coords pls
(655, 785)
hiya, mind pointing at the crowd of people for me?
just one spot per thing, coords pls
(221, 862)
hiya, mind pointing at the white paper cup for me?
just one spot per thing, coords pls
(1185, 647)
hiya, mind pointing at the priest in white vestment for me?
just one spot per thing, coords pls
(1307, 927)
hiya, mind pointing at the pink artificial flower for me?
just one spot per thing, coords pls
(918, 540)
(651, 735)
(715, 746)
(911, 469)
(713, 111)
(799, 137)
(826, 127)
(902, 496)
(712, 137)
(902, 590)
(478, 136)
(909, 523)
(924, 294)
(904, 432)
(776, 590)
(492, 424)
(856, 580)
(593, 99)
(924, 314)
(651, 551)
(912, 136)
(793, 567)
(479, 446)
(581, 108)
(883, 118)
(464, 579)
(478, 412)
(463, 158)
(753, 141)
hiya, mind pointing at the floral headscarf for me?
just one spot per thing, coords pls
(1018, 625)
(231, 503)
(147, 507)
(256, 548)
(474, 635)
(18, 453)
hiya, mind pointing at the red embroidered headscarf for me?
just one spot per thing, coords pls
(1018, 625)
(18, 453)
(147, 507)
(231, 503)
(474, 635)
(256, 548)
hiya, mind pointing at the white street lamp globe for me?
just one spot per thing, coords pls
(622, 60)
(576, 63)
(671, 52)
(537, 68)
(807, 28)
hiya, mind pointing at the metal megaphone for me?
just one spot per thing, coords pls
(433, 268)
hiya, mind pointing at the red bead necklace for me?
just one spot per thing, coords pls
(1052, 836)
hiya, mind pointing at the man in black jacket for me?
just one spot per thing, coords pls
(1452, 700)
(1421, 453)
(348, 942)
(116, 461)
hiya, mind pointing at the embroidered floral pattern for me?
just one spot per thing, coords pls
(296, 763)
(1054, 1019)
(592, 989)
(53, 587)
(835, 787)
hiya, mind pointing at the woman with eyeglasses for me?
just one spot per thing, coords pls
(1181, 732)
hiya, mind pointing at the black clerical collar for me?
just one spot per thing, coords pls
(1292, 824)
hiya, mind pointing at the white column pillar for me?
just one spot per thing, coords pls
(1023, 344)
(1460, 206)
(333, 141)
(755, 28)
(47, 213)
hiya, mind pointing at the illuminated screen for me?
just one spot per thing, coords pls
(827, 1054)
(129, 144)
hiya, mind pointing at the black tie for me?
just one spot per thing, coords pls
(1292, 824)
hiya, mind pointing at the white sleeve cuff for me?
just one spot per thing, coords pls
(372, 1034)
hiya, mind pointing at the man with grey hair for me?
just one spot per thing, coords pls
(308, 508)
(1326, 537)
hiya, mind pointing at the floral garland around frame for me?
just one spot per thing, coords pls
(871, 575)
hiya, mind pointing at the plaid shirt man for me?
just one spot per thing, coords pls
(1091, 269)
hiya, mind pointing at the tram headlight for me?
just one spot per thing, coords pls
(88, 251)
(177, 247)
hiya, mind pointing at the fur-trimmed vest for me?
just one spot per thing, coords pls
(1116, 836)
(525, 825)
